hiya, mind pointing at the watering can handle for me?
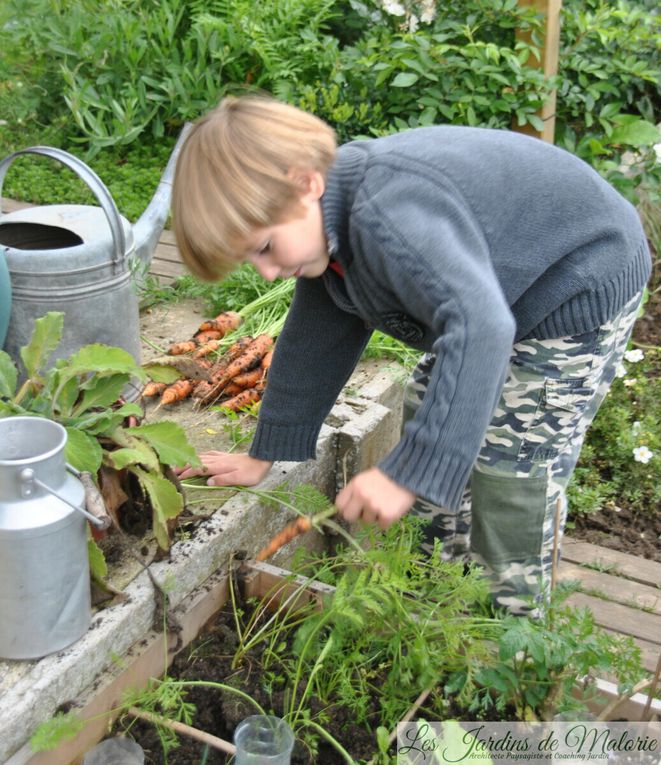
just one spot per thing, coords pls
(92, 180)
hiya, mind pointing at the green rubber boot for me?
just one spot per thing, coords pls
(5, 299)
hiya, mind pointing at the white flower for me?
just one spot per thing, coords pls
(413, 23)
(428, 11)
(394, 8)
(620, 370)
(635, 427)
(642, 454)
(635, 355)
(630, 381)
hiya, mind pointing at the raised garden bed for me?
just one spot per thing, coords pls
(200, 644)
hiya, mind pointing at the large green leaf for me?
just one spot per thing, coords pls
(8, 375)
(45, 338)
(103, 392)
(160, 373)
(103, 359)
(126, 440)
(139, 453)
(167, 503)
(404, 80)
(169, 440)
(104, 422)
(636, 132)
(98, 565)
(82, 451)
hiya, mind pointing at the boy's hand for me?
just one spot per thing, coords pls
(374, 498)
(225, 469)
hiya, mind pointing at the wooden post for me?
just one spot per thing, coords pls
(548, 62)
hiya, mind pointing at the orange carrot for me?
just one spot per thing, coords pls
(178, 349)
(153, 389)
(231, 389)
(241, 400)
(266, 361)
(225, 322)
(300, 526)
(202, 390)
(178, 391)
(250, 358)
(206, 349)
(203, 337)
(247, 379)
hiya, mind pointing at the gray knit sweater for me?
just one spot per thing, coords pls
(458, 241)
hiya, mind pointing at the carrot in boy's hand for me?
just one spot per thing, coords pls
(178, 391)
(294, 529)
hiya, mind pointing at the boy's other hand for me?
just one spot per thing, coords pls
(374, 498)
(225, 469)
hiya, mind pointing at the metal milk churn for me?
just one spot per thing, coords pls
(80, 259)
(44, 571)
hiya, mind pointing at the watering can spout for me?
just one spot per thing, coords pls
(148, 228)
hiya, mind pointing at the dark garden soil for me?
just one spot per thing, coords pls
(209, 658)
(621, 529)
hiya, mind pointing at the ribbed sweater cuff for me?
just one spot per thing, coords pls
(589, 310)
(289, 443)
(438, 478)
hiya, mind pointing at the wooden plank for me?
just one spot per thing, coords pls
(633, 594)
(260, 580)
(613, 562)
(167, 252)
(11, 205)
(548, 62)
(166, 270)
(620, 618)
(167, 237)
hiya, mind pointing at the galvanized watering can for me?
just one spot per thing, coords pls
(79, 259)
(44, 571)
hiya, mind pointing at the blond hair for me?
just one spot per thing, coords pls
(237, 172)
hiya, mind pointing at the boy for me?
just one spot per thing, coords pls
(510, 262)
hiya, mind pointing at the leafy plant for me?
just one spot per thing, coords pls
(620, 459)
(105, 438)
(539, 661)
(337, 656)
(455, 70)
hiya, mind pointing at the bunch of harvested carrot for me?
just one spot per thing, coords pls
(235, 380)
(209, 333)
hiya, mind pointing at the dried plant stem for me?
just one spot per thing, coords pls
(615, 703)
(185, 730)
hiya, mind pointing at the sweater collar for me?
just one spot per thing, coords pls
(342, 181)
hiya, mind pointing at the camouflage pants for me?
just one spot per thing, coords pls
(507, 519)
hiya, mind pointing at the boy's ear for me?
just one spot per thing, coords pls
(311, 182)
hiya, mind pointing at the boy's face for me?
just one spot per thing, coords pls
(295, 248)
